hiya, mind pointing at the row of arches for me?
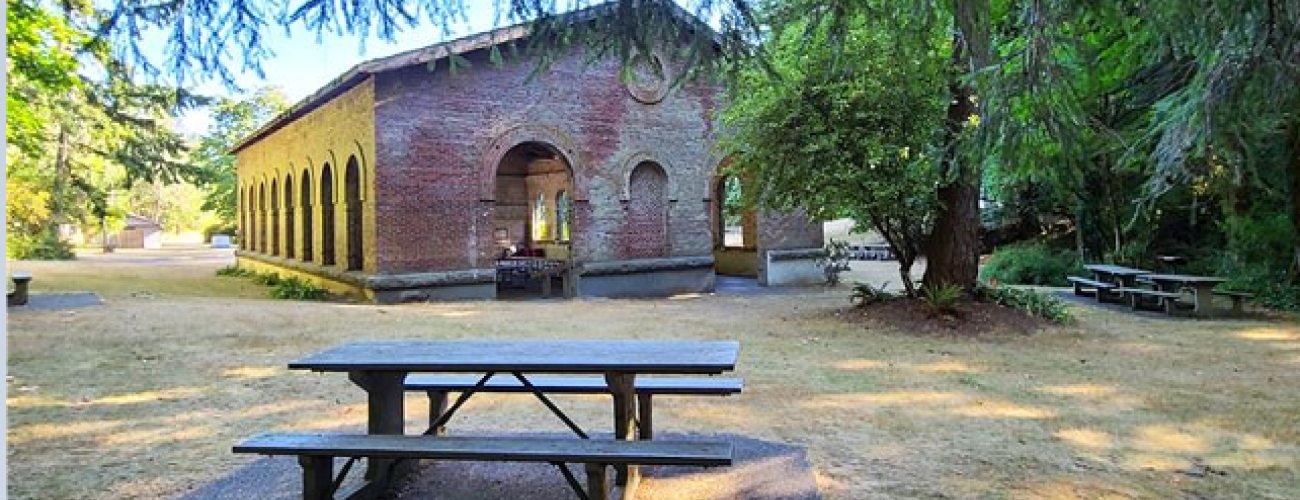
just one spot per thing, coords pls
(266, 203)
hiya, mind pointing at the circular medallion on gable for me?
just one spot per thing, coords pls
(648, 78)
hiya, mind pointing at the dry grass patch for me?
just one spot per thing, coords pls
(1117, 406)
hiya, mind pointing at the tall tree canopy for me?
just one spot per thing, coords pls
(1070, 102)
(77, 122)
(848, 123)
(232, 121)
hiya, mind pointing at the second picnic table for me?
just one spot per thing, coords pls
(1202, 288)
(380, 368)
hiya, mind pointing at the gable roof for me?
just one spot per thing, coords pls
(426, 55)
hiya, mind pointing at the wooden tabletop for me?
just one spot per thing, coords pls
(1115, 270)
(536, 356)
(1182, 278)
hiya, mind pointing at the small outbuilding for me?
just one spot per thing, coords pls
(140, 232)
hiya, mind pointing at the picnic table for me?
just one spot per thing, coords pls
(1202, 288)
(1120, 275)
(380, 368)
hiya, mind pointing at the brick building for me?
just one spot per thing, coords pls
(404, 180)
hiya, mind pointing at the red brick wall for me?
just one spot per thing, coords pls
(437, 135)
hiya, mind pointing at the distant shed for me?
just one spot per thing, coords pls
(140, 232)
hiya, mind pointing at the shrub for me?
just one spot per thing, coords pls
(1036, 303)
(942, 299)
(234, 272)
(268, 279)
(1272, 288)
(1030, 264)
(296, 289)
(44, 245)
(864, 294)
(835, 262)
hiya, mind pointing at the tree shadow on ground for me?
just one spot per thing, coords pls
(763, 470)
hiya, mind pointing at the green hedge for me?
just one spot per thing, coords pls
(44, 245)
(1030, 264)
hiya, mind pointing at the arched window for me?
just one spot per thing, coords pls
(251, 235)
(327, 216)
(261, 213)
(289, 230)
(307, 236)
(647, 219)
(352, 201)
(539, 218)
(243, 219)
(563, 215)
(275, 220)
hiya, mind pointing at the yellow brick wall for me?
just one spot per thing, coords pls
(339, 129)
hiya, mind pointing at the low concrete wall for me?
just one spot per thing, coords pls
(794, 267)
(736, 262)
(647, 277)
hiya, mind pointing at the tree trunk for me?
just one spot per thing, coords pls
(103, 232)
(952, 256)
(59, 192)
(1293, 134)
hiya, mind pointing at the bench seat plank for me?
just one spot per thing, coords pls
(1150, 293)
(567, 450)
(1090, 282)
(575, 385)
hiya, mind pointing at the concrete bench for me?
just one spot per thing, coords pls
(1100, 287)
(438, 387)
(1238, 298)
(19, 296)
(316, 453)
(1168, 301)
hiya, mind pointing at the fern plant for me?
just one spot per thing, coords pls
(942, 299)
(864, 294)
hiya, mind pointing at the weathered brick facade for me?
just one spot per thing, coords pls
(442, 180)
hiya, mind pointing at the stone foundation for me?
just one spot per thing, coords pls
(647, 277)
(469, 284)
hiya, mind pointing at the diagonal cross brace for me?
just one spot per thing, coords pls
(551, 406)
(460, 400)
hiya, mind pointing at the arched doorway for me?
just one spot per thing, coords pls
(327, 216)
(352, 206)
(307, 243)
(290, 229)
(532, 220)
(735, 229)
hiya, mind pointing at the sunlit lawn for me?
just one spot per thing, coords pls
(142, 397)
